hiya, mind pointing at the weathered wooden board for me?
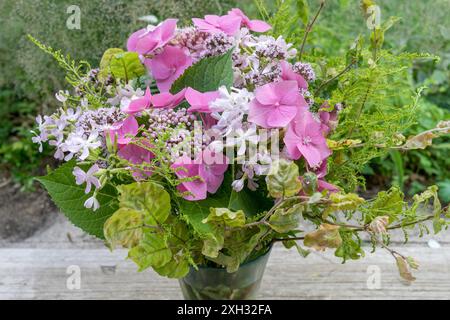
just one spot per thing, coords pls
(33, 273)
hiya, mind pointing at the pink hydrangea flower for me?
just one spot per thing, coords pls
(288, 74)
(252, 25)
(321, 172)
(123, 131)
(186, 168)
(212, 169)
(139, 104)
(329, 119)
(209, 168)
(275, 104)
(200, 101)
(304, 137)
(136, 155)
(167, 100)
(228, 24)
(147, 40)
(167, 66)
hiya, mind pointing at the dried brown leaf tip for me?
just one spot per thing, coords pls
(405, 265)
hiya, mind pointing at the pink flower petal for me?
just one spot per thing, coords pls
(288, 74)
(266, 94)
(167, 66)
(281, 116)
(252, 25)
(259, 113)
(258, 26)
(186, 168)
(168, 100)
(167, 30)
(200, 101)
(124, 131)
(140, 104)
(290, 141)
(311, 154)
(287, 92)
(134, 39)
(145, 42)
(205, 26)
(230, 24)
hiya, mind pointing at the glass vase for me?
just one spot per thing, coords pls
(209, 283)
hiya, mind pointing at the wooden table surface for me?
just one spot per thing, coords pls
(37, 269)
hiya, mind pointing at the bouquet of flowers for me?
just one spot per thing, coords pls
(204, 145)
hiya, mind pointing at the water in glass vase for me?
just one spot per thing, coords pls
(209, 283)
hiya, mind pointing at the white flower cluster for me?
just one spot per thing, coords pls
(231, 111)
(75, 133)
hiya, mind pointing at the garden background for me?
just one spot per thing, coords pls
(29, 79)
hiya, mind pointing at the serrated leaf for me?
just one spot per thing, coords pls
(70, 198)
(327, 236)
(152, 251)
(124, 228)
(148, 198)
(226, 217)
(126, 66)
(174, 269)
(207, 75)
(286, 220)
(284, 181)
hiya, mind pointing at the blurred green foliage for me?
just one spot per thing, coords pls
(18, 155)
(104, 24)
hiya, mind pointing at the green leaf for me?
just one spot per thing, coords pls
(387, 203)
(343, 201)
(226, 217)
(284, 181)
(213, 244)
(310, 183)
(239, 246)
(444, 190)
(70, 199)
(303, 11)
(398, 166)
(350, 247)
(148, 198)
(286, 220)
(207, 74)
(105, 69)
(174, 269)
(152, 251)
(124, 228)
(251, 202)
(126, 66)
(288, 244)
